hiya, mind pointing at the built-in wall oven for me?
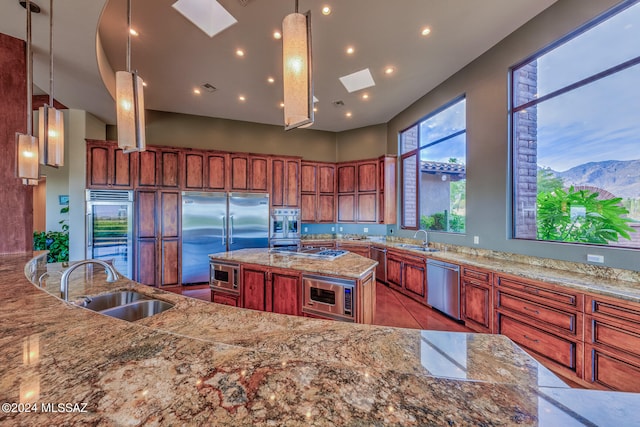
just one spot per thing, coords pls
(224, 277)
(285, 228)
(329, 297)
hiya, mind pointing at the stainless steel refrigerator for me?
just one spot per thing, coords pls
(109, 225)
(217, 222)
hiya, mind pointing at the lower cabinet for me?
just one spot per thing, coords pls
(477, 299)
(268, 289)
(408, 274)
(362, 250)
(225, 298)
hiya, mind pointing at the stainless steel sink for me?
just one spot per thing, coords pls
(138, 310)
(416, 247)
(114, 299)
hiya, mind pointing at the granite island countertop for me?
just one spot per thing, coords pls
(201, 363)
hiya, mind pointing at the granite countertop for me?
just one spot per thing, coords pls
(623, 284)
(202, 363)
(349, 265)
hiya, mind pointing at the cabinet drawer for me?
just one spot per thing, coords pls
(612, 371)
(479, 275)
(543, 294)
(225, 299)
(557, 349)
(614, 309)
(600, 332)
(563, 320)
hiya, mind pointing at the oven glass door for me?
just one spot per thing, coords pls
(292, 225)
(323, 296)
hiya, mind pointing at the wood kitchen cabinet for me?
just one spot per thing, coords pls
(249, 172)
(477, 299)
(358, 195)
(108, 167)
(346, 178)
(217, 168)
(268, 289)
(612, 343)
(157, 235)
(387, 204)
(347, 194)
(317, 186)
(407, 274)
(542, 318)
(158, 167)
(285, 179)
(194, 164)
(225, 298)
(362, 250)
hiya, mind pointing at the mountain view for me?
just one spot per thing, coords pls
(621, 178)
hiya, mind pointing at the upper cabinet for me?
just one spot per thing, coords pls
(318, 187)
(249, 172)
(285, 182)
(108, 167)
(158, 167)
(204, 170)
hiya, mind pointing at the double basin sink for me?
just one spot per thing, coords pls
(416, 247)
(126, 305)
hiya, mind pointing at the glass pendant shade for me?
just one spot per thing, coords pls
(296, 68)
(27, 157)
(130, 111)
(51, 135)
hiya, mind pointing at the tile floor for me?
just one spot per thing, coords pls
(392, 309)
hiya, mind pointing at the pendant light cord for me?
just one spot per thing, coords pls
(296, 6)
(128, 36)
(29, 71)
(51, 53)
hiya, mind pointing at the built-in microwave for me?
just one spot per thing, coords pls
(329, 297)
(224, 276)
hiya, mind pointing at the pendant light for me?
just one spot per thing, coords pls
(51, 120)
(27, 144)
(297, 70)
(130, 102)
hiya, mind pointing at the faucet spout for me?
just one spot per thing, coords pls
(112, 275)
(426, 236)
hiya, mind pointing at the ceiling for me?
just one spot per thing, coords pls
(173, 56)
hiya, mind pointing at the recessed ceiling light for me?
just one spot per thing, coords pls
(242, 98)
(277, 35)
(365, 96)
(326, 10)
(133, 32)
(426, 31)
(240, 52)
(271, 79)
(196, 91)
(389, 70)
(348, 114)
(350, 50)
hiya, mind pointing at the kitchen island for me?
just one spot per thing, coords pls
(208, 364)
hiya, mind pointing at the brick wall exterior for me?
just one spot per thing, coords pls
(410, 178)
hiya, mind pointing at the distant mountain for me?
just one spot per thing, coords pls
(622, 178)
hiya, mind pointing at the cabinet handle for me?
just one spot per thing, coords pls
(532, 290)
(531, 310)
(532, 339)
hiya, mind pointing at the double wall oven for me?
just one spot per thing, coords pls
(285, 228)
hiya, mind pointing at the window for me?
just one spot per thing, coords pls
(575, 121)
(433, 158)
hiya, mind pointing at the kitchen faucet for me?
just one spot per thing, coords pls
(426, 237)
(112, 275)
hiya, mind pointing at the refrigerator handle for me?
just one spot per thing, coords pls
(231, 230)
(224, 228)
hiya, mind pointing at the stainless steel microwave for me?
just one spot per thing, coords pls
(224, 277)
(329, 297)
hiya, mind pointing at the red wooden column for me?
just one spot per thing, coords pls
(16, 200)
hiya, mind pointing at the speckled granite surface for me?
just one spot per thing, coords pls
(206, 364)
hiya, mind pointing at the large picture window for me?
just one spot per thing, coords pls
(575, 120)
(433, 156)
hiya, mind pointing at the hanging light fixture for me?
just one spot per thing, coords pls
(297, 70)
(27, 144)
(130, 102)
(51, 120)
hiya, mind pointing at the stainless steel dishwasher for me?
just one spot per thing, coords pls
(380, 255)
(443, 281)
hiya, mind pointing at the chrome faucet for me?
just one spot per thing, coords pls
(426, 237)
(112, 275)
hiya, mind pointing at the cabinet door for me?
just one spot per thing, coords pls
(292, 187)
(169, 169)
(346, 207)
(277, 182)
(285, 293)
(97, 166)
(148, 168)
(308, 208)
(394, 270)
(146, 214)
(259, 173)
(193, 170)
(217, 171)
(612, 370)
(169, 238)
(146, 267)
(326, 179)
(308, 179)
(326, 208)
(170, 262)
(415, 279)
(477, 306)
(367, 207)
(254, 282)
(146, 243)
(222, 298)
(347, 178)
(122, 177)
(239, 172)
(367, 173)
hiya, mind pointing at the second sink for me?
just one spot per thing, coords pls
(114, 299)
(138, 310)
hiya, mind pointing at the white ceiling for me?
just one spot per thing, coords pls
(173, 56)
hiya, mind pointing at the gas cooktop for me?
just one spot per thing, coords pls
(323, 253)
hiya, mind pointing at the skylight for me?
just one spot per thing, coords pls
(208, 15)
